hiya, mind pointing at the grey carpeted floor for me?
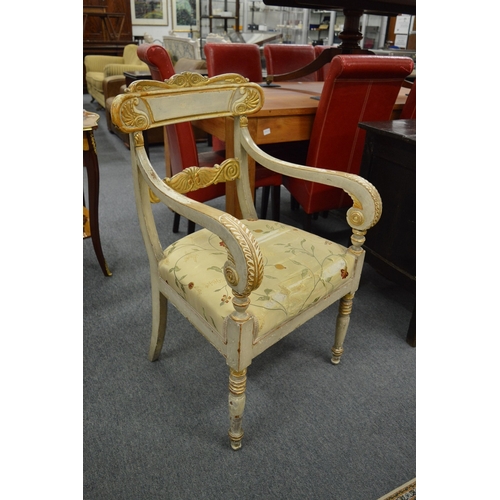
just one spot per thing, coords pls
(159, 430)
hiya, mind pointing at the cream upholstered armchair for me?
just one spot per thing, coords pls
(98, 67)
(244, 284)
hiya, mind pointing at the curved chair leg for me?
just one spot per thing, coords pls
(237, 386)
(345, 308)
(159, 326)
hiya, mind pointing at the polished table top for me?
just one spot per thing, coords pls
(287, 114)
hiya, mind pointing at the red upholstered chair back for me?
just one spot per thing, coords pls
(323, 71)
(358, 88)
(284, 58)
(409, 111)
(241, 58)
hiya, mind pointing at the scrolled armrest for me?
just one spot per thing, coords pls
(244, 268)
(367, 204)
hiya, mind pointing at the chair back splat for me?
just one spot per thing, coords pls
(358, 88)
(181, 150)
(244, 284)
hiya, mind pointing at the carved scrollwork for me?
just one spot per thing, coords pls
(132, 117)
(356, 217)
(231, 274)
(138, 139)
(249, 102)
(187, 79)
(193, 178)
(253, 257)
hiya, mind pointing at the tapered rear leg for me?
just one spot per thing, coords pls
(237, 386)
(159, 325)
(343, 318)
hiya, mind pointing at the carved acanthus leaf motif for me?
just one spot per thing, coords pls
(193, 178)
(187, 79)
(249, 102)
(133, 118)
(253, 257)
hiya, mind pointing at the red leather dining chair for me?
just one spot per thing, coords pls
(181, 141)
(409, 111)
(358, 88)
(241, 58)
(284, 58)
(323, 71)
(244, 59)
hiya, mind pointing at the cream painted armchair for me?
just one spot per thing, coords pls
(244, 284)
(98, 67)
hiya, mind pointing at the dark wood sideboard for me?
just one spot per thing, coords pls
(389, 163)
(107, 28)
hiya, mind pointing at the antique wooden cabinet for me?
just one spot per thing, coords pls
(107, 27)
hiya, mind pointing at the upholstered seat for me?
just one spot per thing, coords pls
(299, 269)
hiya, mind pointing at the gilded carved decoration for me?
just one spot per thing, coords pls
(132, 117)
(193, 178)
(251, 252)
(135, 113)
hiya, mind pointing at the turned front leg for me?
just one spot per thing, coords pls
(237, 386)
(345, 308)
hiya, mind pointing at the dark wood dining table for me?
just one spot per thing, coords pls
(287, 115)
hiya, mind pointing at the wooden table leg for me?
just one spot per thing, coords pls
(92, 165)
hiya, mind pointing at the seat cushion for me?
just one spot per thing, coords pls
(299, 269)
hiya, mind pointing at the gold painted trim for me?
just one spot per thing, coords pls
(251, 251)
(193, 178)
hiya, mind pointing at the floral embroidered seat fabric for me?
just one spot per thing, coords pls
(299, 269)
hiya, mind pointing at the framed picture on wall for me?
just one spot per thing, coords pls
(186, 15)
(149, 12)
